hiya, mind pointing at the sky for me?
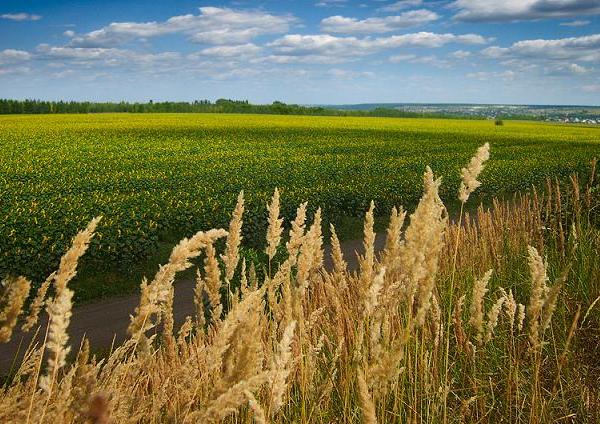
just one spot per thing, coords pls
(303, 51)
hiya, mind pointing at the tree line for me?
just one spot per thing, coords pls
(30, 106)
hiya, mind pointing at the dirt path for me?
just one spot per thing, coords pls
(107, 320)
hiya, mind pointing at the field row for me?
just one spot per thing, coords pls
(162, 176)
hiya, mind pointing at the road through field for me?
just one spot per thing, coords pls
(106, 321)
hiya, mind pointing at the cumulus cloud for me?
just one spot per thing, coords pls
(578, 23)
(330, 49)
(226, 36)
(63, 74)
(429, 60)
(284, 59)
(401, 5)
(331, 3)
(11, 62)
(349, 47)
(568, 70)
(347, 74)
(485, 76)
(239, 51)
(460, 54)
(399, 58)
(591, 88)
(10, 56)
(104, 56)
(344, 25)
(19, 70)
(212, 26)
(574, 68)
(216, 62)
(20, 17)
(514, 10)
(583, 49)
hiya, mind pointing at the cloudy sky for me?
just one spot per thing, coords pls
(303, 51)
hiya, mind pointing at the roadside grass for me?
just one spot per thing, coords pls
(94, 282)
(421, 333)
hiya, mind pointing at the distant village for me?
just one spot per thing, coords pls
(588, 115)
(575, 120)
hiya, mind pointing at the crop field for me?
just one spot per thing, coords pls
(165, 176)
(490, 316)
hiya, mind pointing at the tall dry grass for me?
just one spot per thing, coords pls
(473, 321)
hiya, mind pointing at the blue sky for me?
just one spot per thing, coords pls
(303, 51)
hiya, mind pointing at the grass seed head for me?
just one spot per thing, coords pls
(476, 319)
(275, 228)
(234, 239)
(469, 175)
(15, 293)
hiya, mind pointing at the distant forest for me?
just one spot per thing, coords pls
(201, 106)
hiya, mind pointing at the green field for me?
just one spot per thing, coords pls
(159, 177)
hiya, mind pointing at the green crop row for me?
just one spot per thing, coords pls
(154, 177)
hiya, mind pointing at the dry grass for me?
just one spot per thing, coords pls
(420, 333)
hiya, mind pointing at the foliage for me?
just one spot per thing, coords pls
(8, 106)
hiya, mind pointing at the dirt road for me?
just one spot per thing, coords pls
(107, 320)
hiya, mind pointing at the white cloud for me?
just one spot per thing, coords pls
(520, 65)
(591, 88)
(399, 58)
(429, 60)
(63, 74)
(10, 56)
(329, 49)
(303, 45)
(105, 56)
(584, 49)
(240, 51)
(569, 69)
(77, 53)
(352, 47)
(577, 23)
(20, 17)
(238, 73)
(19, 70)
(216, 62)
(460, 54)
(485, 76)
(513, 10)
(212, 26)
(401, 5)
(577, 69)
(343, 25)
(225, 36)
(11, 62)
(432, 60)
(331, 3)
(282, 59)
(349, 74)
